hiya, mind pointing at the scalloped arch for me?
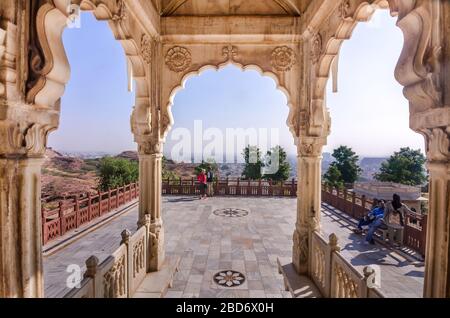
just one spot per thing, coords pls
(413, 68)
(51, 22)
(220, 66)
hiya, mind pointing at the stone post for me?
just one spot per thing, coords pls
(150, 184)
(437, 264)
(308, 200)
(21, 228)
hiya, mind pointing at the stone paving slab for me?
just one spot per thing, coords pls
(208, 244)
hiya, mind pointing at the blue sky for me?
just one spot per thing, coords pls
(369, 113)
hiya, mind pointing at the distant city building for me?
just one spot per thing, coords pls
(411, 196)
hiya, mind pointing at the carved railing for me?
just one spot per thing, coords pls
(232, 187)
(120, 274)
(357, 207)
(335, 277)
(70, 215)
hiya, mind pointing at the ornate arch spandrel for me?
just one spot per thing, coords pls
(418, 68)
(50, 69)
(279, 62)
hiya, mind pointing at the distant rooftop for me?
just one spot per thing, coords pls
(385, 190)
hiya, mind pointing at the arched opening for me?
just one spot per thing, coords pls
(94, 124)
(370, 117)
(237, 230)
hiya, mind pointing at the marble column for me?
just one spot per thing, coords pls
(437, 265)
(308, 200)
(21, 228)
(150, 187)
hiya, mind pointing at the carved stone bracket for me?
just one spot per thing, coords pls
(438, 144)
(24, 139)
(146, 48)
(316, 48)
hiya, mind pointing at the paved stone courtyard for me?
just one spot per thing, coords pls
(249, 244)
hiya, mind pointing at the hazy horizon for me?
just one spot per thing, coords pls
(367, 112)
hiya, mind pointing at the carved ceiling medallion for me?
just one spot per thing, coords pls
(283, 58)
(178, 59)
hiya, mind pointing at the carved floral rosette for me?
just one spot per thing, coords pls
(178, 59)
(283, 58)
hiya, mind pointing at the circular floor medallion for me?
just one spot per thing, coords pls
(229, 279)
(231, 213)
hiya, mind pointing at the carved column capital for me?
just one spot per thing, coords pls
(310, 146)
(438, 144)
(24, 139)
(151, 147)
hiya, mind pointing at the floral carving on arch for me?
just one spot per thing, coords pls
(53, 73)
(277, 62)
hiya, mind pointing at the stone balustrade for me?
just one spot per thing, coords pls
(120, 275)
(335, 277)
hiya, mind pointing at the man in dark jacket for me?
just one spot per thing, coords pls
(210, 181)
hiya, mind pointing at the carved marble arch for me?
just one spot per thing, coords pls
(279, 62)
(54, 74)
(418, 68)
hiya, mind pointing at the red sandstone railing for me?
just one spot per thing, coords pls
(69, 216)
(232, 187)
(357, 207)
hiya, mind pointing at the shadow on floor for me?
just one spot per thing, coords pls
(186, 199)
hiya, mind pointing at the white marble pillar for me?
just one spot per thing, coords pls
(308, 200)
(437, 259)
(150, 187)
(21, 270)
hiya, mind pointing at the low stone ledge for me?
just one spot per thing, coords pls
(156, 285)
(300, 286)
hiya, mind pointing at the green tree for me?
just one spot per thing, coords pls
(333, 177)
(117, 172)
(209, 164)
(280, 165)
(253, 163)
(406, 166)
(346, 161)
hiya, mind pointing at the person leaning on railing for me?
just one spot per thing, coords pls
(394, 215)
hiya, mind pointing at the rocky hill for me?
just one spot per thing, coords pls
(64, 176)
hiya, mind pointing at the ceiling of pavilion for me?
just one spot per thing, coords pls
(230, 7)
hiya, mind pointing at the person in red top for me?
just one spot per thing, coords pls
(201, 178)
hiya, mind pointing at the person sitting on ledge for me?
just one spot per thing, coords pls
(376, 213)
(378, 222)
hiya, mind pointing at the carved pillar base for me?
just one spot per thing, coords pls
(437, 275)
(308, 201)
(20, 228)
(150, 183)
(156, 247)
